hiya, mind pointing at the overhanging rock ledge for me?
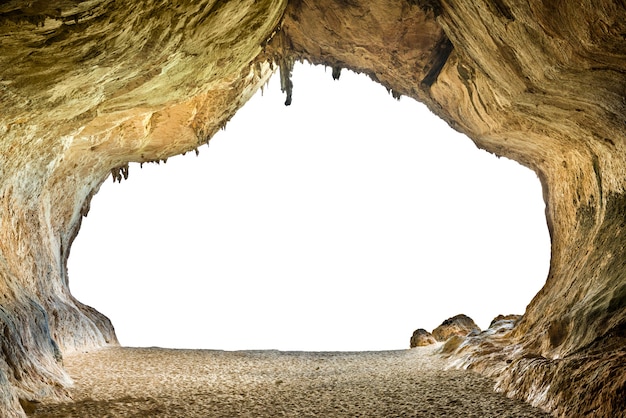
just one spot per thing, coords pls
(87, 87)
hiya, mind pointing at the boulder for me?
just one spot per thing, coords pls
(422, 338)
(460, 325)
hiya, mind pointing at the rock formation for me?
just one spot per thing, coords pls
(87, 87)
(460, 325)
(421, 338)
(511, 319)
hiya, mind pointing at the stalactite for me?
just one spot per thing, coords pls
(285, 65)
(336, 73)
(394, 93)
(119, 173)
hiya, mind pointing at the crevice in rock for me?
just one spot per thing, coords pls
(441, 52)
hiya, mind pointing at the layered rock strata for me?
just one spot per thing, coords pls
(86, 87)
(508, 319)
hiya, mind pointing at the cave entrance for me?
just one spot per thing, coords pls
(342, 222)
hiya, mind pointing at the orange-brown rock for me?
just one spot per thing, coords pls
(421, 338)
(86, 87)
(460, 325)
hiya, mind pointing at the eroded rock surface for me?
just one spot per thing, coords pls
(88, 86)
(501, 319)
(461, 325)
(422, 338)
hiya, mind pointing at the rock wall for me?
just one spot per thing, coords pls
(543, 83)
(85, 88)
(88, 86)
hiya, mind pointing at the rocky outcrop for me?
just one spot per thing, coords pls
(460, 325)
(87, 87)
(505, 319)
(422, 338)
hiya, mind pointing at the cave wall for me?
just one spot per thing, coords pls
(88, 86)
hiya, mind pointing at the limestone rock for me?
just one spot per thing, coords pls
(452, 344)
(511, 318)
(88, 87)
(422, 338)
(460, 325)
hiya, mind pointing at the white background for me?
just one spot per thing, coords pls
(342, 222)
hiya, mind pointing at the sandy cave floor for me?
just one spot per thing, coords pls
(156, 382)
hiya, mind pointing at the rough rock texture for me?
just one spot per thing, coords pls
(461, 325)
(422, 338)
(511, 318)
(88, 86)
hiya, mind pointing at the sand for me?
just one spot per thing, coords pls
(155, 382)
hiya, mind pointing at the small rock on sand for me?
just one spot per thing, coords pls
(422, 338)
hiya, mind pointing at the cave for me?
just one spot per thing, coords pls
(337, 224)
(88, 87)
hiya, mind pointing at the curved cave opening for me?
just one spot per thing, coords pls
(342, 222)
